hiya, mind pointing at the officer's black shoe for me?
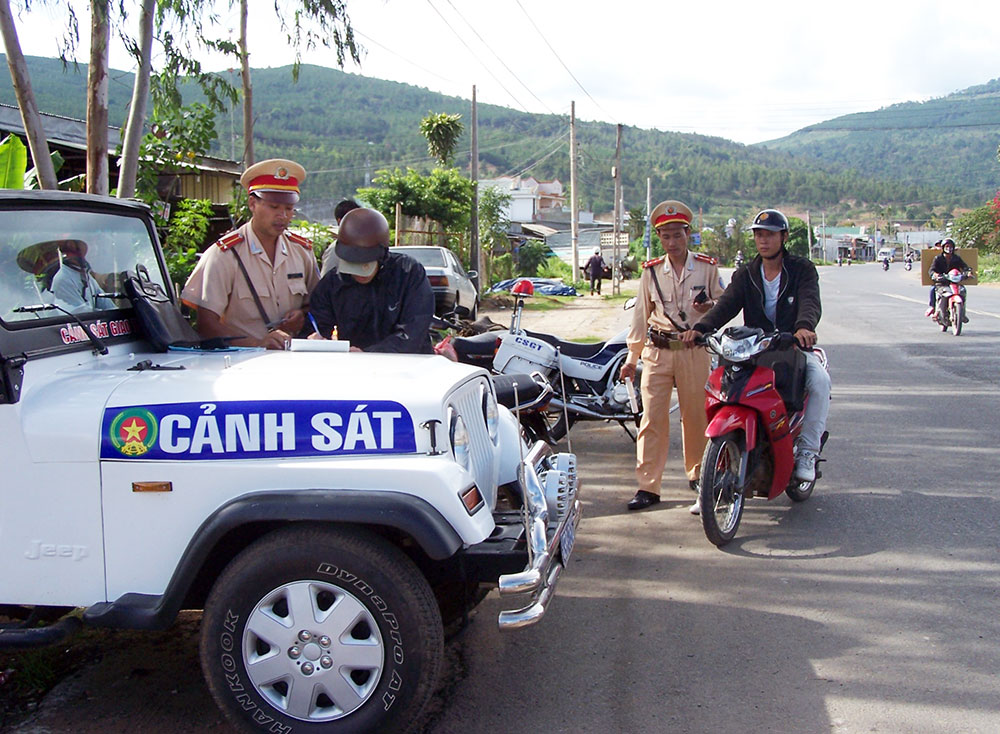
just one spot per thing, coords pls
(693, 484)
(642, 500)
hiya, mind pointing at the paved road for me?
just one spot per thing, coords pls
(871, 607)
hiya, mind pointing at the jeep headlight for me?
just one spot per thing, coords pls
(459, 436)
(491, 413)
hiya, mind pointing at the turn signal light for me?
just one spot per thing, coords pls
(472, 499)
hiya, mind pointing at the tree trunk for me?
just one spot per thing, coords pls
(248, 155)
(137, 111)
(33, 129)
(97, 99)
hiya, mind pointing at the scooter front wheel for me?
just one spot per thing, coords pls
(956, 318)
(722, 495)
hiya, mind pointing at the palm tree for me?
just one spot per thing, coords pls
(442, 132)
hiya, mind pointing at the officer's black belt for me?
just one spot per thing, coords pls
(664, 339)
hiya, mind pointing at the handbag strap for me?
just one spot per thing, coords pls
(253, 291)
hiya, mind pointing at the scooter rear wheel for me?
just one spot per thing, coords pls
(722, 496)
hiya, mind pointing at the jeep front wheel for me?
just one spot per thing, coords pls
(321, 630)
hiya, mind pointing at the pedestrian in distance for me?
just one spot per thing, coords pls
(674, 292)
(253, 284)
(595, 270)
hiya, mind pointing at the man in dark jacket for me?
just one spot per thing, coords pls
(595, 270)
(778, 290)
(378, 300)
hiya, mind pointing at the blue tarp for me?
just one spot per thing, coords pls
(543, 286)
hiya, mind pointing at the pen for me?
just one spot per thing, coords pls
(312, 320)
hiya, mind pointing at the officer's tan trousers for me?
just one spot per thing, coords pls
(662, 370)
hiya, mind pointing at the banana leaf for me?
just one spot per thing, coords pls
(13, 162)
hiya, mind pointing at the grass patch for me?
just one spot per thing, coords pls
(547, 303)
(988, 268)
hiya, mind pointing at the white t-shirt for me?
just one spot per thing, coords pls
(771, 288)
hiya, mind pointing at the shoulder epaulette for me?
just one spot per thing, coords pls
(654, 262)
(701, 256)
(230, 239)
(300, 240)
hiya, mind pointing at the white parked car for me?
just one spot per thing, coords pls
(328, 511)
(453, 286)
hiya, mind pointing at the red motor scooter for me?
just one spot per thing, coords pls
(755, 400)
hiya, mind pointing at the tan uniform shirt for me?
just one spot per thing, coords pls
(699, 273)
(218, 284)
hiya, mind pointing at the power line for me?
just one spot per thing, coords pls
(511, 71)
(467, 46)
(546, 41)
(403, 58)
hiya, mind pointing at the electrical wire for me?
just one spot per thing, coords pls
(546, 40)
(467, 46)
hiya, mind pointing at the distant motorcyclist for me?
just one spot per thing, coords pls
(944, 263)
(885, 263)
(908, 260)
(738, 260)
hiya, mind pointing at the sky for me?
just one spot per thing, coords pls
(745, 71)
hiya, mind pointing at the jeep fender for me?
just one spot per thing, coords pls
(411, 515)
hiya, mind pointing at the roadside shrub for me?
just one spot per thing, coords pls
(185, 238)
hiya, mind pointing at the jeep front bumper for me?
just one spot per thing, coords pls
(551, 514)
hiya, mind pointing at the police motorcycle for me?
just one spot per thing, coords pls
(755, 400)
(585, 377)
(527, 395)
(949, 300)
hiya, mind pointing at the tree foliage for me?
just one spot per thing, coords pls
(442, 132)
(444, 195)
(798, 237)
(980, 228)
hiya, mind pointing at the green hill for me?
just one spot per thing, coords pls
(950, 141)
(342, 126)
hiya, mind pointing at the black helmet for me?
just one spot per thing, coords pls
(770, 219)
(947, 241)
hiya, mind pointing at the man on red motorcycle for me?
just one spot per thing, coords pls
(942, 265)
(779, 291)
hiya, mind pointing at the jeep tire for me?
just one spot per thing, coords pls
(321, 630)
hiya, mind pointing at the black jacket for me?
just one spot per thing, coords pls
(798, 305)
(940, 266)
(392, 313)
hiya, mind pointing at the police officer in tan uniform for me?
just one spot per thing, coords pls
(254, 283)
(674, 292)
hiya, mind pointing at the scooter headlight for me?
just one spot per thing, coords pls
(459, 437)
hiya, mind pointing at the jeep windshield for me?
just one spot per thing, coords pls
(72, 259)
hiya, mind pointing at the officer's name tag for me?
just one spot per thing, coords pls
(295, 275)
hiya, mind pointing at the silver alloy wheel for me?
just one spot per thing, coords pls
(728, 497)
(313, 650)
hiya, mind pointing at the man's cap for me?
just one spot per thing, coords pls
(362, 241)
(670, 211)
(276, 180)
(597, 250)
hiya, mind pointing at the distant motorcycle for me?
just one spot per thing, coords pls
(908, 265)
(949, 301)
(885, 263)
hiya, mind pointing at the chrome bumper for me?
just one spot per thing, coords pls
(551, 515)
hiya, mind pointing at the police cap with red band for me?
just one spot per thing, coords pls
(276, 180)
(670, 211)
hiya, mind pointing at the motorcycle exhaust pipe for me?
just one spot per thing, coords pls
(588, 413)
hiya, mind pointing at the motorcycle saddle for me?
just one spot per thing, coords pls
(480, 345)
(528, 391)
(576, 350)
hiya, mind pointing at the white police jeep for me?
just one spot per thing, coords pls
(327, 511)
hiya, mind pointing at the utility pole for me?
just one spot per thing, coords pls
(574, 225)
(646, 233)
(617, 174)
(474, 259)
(809, 234)
(823, 225)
